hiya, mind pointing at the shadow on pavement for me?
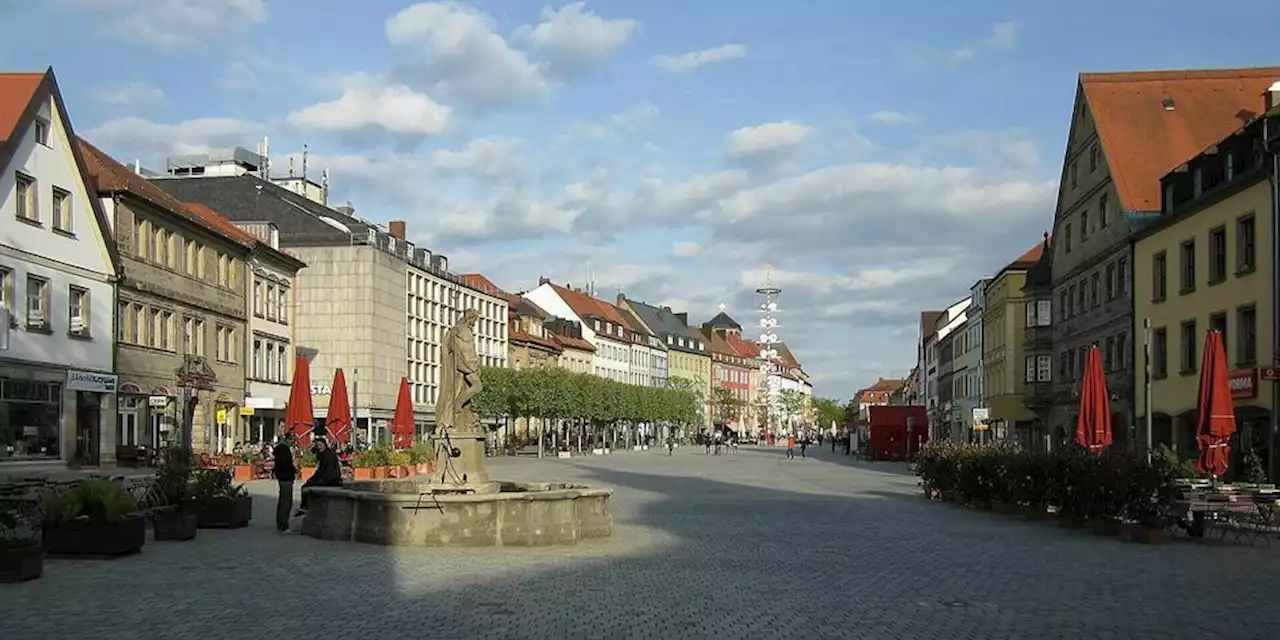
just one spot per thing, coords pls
(740, 546)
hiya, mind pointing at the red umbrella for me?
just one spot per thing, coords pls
(1093, 426)
(338, 419)
(1217, 419)
(298, 419)
(402, 426)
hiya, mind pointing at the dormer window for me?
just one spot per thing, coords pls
(1229, 165)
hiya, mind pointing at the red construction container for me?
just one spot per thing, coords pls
(888, 426)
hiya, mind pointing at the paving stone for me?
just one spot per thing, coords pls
(733, 546)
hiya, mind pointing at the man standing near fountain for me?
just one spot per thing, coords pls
(459, 385)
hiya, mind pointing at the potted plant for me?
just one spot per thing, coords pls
(306, 465)
(379, 459)
(361, 466)
(1111, 483)
(219, 502)
(423, 455)
(1150, 507)
(177, 520)
(94, 517)
(21, 551)
(398, 462)
(245, 464)
(1070, 467)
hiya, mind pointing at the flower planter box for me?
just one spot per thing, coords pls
(175, 525)
(563, 454)
(1146, 535)
(362, 473)
(21, 560)
(243, 473)
(423, 468)
(306, 473)
(224, 513)
(83, 538)
(381, 473)
(597, 452)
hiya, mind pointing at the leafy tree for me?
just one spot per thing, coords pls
(791, 404)
(829, 411)
(725, 406)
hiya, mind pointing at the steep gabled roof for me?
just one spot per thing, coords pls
(1151, 121)
(744, 348)
(481, 283)
(221, 224)
(586, 306)
(665, 323)
(929, 324)
(21, 95)
(1027, 259)
(570, 342)
(714, 342)
(723, 321)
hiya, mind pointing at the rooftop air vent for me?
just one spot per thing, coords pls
(1167, 102)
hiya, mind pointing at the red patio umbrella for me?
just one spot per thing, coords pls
(337, 421)
(1093, 425)
(1217, 420)
(298, 419)
(402, 426)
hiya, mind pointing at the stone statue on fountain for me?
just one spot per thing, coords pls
(459, 385)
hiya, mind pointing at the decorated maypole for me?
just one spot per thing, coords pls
(770, 381)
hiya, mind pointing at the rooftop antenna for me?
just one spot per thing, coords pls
(304, 161)
(324, 186)
(264, 153)
(290, 166)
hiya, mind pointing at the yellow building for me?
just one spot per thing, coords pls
(1203, 265)
(688, 355)
(1004, 325)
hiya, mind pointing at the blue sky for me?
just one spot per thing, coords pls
(881, 156)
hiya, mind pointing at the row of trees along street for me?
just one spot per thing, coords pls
(580, 408)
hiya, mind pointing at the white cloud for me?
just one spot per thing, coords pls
(891, 117)
(1002, 37)
(685, 250)
(771, 141)
(571, 39)
(686, 62)
(140, 136)
(173, 26)
(128, 94)
(454, 49)
(624, 122)
(495, 159)
(372, 105)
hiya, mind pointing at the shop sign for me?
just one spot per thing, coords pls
(1270, 374)
(321, 390)
(1243, 383)
(157, 402)
(90, 381)
(221, 416)
(981, 415)
(246, 411)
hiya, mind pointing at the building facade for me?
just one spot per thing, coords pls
(954, 347)
(182, 306)
(687, 356)
(58, 269)
(1004, 328)
(601, 323)
(1037, 350)
(1205, 266)
(576, 353)
(970, 360)
(369, 302)
(273, 275)
(1127, 130)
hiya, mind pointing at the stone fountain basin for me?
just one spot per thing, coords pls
(493, 514)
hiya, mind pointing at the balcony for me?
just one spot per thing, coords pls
(1038, 395)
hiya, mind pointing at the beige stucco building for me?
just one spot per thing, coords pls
(1004, 324)
(1204, 266)
(182, 318)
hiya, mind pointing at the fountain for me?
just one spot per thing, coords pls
(458, 505)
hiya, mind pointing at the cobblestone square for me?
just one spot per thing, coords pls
(747, 545)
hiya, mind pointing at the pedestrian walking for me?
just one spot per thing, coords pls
(671, 444)
(804, 445)
(285, 474)
(791, 446)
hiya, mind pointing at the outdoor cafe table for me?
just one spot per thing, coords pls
(1203, 510)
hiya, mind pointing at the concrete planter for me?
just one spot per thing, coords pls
(83, 538)
(563, 454)
(597, 452)
(21, 560)
(361, 473)
(224, 513)
(177, 525)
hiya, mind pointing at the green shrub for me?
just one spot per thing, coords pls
(94, 499)
(215, 484)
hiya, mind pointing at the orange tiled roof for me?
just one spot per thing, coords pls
(484, 284)
(588, 307)
(518, 336)
(743, 348)
(573, 343)
(215, 221)
(16, 92)
(1143, 140)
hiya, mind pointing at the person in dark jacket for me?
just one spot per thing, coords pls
(285, 473)
(328, 470)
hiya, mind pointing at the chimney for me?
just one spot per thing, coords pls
(684, 317)
(396, 228)
(622, 300)
(346, 209)
(542, 281)
(1271, 99)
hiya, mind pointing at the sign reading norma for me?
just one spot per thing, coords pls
(92, 382)
(1243, 383)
